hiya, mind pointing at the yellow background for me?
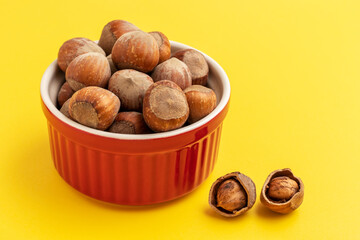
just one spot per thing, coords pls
(294, 69)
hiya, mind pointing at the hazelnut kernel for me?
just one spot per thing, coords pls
(231, 195)
(282, 188)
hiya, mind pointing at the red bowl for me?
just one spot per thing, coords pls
(134, 169)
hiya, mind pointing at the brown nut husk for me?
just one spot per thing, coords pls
(282, 191)
(232, 195)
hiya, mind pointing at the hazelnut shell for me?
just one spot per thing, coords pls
(279, 206)
(201, 100)
(65, 109)
(130, 87)
(129, 123)
(136, 50)
(89, 69)
(112, 31)
(94, 107)
(64, 93)
(164, 45)
(165, 106)
(73, 48)
(245, 182)
(174, 70)
(197, 64)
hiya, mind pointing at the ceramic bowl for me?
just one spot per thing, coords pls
(134, 169)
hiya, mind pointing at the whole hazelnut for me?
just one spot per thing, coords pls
(232, 194)
(164, 45)
(282, 192)
(201, 100)
(165, 107)
(197, 64)
(111, 64)
(65, 109)
(112, 31)
(89, 69)
(65, 93)
(129, 123)
(94, 107)
(130, 86)
(76, 47)
(136, 50)
(174, 70)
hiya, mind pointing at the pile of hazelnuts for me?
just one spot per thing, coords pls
(131, 83)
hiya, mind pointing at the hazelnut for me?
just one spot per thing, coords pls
(232, 195)
(112, 31)
(130, 86)
(136, 50)
(73, 48)
(65, 109)
(65, 93)
(197, 64)
(174, 70)
(163, 44)
(282, 191)
(89, 69)
(94, 107)
(201, 100)
(282, 188)
(165, 107)
(111, 64)
(129, 123)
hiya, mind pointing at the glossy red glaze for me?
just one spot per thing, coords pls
(127, 170)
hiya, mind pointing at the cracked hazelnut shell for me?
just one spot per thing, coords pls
(282, 192)
(232, 194)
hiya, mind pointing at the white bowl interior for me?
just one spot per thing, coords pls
(53, 78)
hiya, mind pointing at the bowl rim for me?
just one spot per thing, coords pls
(224, 81)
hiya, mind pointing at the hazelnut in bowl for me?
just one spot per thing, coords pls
(134, 169)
